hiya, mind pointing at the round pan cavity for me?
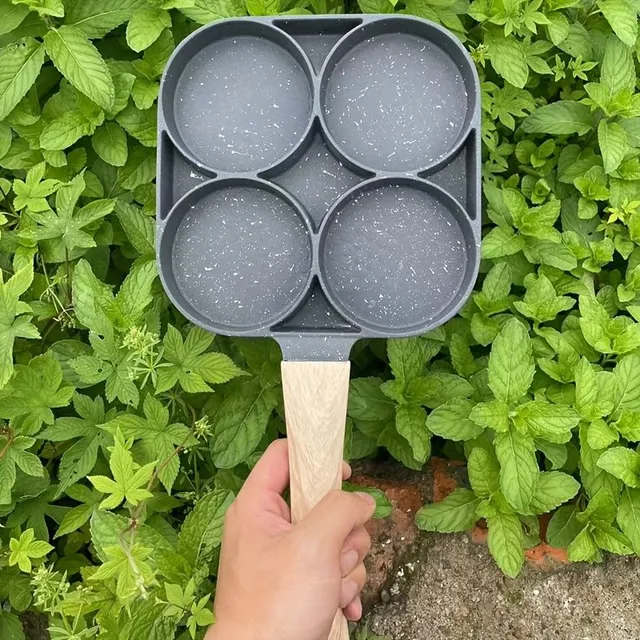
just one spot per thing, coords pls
(398, 95)
(237, 97)
(397, 256)
(236, 255)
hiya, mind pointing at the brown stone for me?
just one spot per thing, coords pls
(392, 537)
(395, 537)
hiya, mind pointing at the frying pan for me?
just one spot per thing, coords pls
(319, 183)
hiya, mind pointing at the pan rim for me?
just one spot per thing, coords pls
(402, 25)
(458, 297)
(197, 42)
(166, 241)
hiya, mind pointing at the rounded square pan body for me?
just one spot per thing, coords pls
(381, 113)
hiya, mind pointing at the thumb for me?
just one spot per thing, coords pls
(336, 516)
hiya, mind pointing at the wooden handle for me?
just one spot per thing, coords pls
(315, 404)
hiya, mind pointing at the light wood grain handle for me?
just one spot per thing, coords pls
(315, 403)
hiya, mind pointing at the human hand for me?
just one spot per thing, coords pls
(280, 581)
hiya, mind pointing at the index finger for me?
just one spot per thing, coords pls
(270, 474)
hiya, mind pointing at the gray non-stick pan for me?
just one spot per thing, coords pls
(319, 182)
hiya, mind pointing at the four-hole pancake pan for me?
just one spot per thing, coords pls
(319, 183)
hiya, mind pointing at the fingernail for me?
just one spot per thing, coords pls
(349, 592)
(365, 496)
(355, 610)
(349, 561)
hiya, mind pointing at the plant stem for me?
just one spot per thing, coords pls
(135, 516)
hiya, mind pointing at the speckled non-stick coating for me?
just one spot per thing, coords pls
(319, 179)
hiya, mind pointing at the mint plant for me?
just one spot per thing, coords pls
(125, 433)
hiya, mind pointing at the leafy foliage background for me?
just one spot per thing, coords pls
(125, 433)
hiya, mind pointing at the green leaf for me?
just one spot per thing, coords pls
(563, 527)
(553, 488)
(110, 143)
(556, 454)
(500, 242)
(508, 58)
(494, 414)
(145, 27)
(399, 448)
(484, 472)
(135, 294)
(34, 392)
(411, 424)
(20, 64)
(81, 63)
(375, 6)
(25, 549)
(11, 627)
(189, 365)
(518, 468)
(457, 512)
(140, 168)
(623, 18)
(584, 547)
(241, 423)
(77, 517)
(451, 421)
(612, 139)
(141, 125)
(205, 11)
(628, 517)
(44, 7)
(623, 464)
(367, 402)
(129, 478)
(627, 376)
(96, 19)
(13, 321)
(563, 117)
(108, 528)
(594, 323)
(384, 506)
(90, 297)
(607, 537)
(461, 357)
(63, 233)
(617, 71)
(407, 357)
(65, 131)
(201, 532)
(496, 287)
(628, 426)
(16, 456)
(11, 16)
(511, 365)
(129, 566)
(159, 439)
(138, 227)
(541, 302)
(505, 540)
(587, 391)
(602, 507)
(551, 422)
(558, 27)
(600, 435)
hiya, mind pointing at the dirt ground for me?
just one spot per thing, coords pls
(447, 587)
(450, 589)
